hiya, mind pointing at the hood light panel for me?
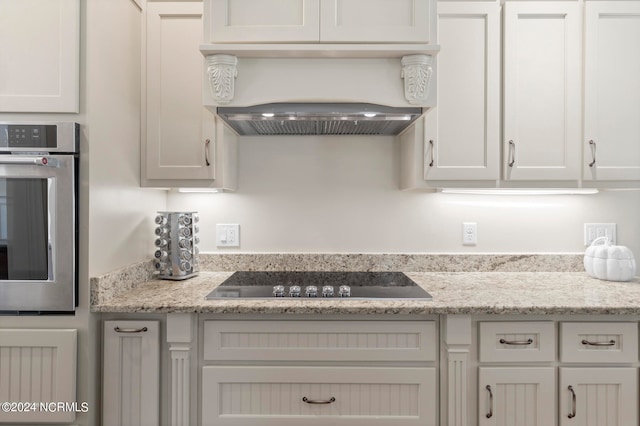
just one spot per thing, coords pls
(319, 119)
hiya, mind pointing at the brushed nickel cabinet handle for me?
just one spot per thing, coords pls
(432, 157)
(512, 153)
(130, 330)
(516, 342)
(572, 414)
(318, 401)
(206, 152)
(490, 413)
(609, 343)
(592, 144)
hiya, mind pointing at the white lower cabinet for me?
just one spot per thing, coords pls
(516, 396)
(542, 371)
(310, 395)
(131, 373)
(37, 366)
(598, 396)
(319, 373)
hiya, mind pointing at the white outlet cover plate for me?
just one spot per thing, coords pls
(469, 233)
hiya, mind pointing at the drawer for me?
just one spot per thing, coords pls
(609, 342)
(530, 341)
(320, 341)
(260, 396)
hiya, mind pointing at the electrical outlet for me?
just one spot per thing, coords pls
(469, 233)
(597, 230)
(227, 235)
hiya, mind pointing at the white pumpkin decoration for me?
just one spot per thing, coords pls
(606, 261)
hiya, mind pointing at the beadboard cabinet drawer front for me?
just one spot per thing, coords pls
(614, 342)
(337, 396)
(517, 341)
(320, 340)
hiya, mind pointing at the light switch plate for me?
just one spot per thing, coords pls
(227, 235)
(597, 230)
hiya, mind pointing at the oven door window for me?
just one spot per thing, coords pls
(25, 237)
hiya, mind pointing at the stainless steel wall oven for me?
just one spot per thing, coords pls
(38, 217)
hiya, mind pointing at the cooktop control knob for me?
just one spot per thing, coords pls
(344, 291)
(311, 291)
(327, 291)
(278, 291)
(294, 291)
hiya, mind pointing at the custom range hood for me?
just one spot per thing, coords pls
(320, 67)
(354, 93)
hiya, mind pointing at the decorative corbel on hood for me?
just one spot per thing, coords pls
(221, 72)
(416, 72)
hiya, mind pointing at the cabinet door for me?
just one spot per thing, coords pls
(39, 55)
(263, 21)
(178, 126)
(612, 91)
(517, 396)
(38, 366)
(318, 396)
(598, 396)
(462, 132)
(374, 21)
(131, 373)
(542, 84)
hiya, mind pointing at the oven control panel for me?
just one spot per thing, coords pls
(28, 136)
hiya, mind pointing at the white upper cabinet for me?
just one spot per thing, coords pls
(462, 132)
(612, 91)
(542, 85)
(39, 55)
(374, 21)
(314, 21)
(184, 145)
(260, 21)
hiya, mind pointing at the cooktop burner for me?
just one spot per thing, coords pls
(319, 285)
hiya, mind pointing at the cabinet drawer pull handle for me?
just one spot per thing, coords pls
(206, 152)
(318, 401)
(432, 148)
(512, 153)
(490, 413)
(572, 414)
(516, 342)
(609, 343)
(592, 144)
(130, 330)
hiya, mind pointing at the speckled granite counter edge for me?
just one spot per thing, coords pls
(105, 287)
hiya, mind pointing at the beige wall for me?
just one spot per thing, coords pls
(121, 213)
(336, 194)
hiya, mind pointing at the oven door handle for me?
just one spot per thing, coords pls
(28, 160)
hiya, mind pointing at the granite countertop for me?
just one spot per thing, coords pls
(487, 292)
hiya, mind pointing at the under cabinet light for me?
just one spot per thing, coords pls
(199, 190)
(523, 191)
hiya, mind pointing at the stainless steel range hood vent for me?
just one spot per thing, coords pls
(318, 119)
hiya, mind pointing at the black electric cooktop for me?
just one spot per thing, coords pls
(319, 285)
